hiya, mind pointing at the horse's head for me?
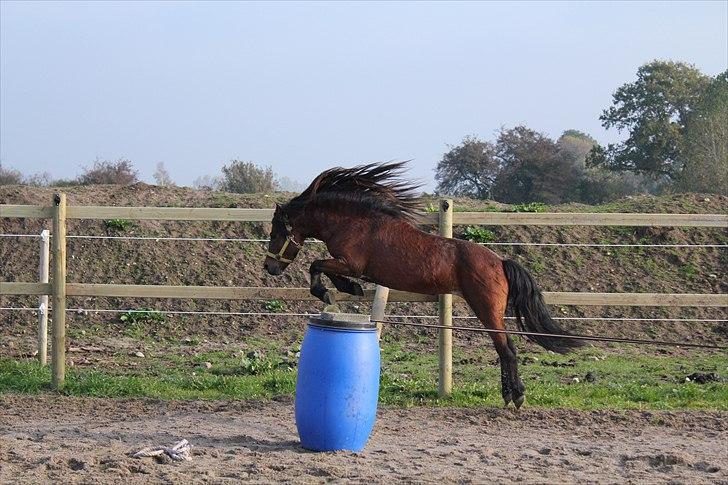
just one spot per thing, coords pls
(284, 243)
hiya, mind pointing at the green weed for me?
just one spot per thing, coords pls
(530, 207)
(276, 306)
(537, 266)
(118, 224)
(431, 208)
(485, 208)
(143, 315)
(478, 234)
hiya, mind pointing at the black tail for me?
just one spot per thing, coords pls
(531, 312)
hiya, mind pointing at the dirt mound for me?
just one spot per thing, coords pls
(660, 270)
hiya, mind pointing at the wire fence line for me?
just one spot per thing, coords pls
(306, 314)
(597, 338)
(593, 338)
(315, 241)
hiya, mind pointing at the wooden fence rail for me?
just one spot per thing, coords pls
(59, 289)
(458, 218)
(303, 294)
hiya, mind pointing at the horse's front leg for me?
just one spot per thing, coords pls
(336, 270)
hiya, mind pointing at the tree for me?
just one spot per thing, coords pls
(468, 169)
(595, 184)
(574, 146)
(120, 172)
(42, 179)
(287, 184)
(706, 141)
(598, 185)
(654, 109)
(533, 169)
(9, 176)
(246, 177)
(206, 182)
(161, 176)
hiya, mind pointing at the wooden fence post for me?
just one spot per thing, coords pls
(381, 294)
(445, 310)
(59, 291)
(43, 270)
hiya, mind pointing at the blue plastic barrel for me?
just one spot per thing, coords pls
(338, 382)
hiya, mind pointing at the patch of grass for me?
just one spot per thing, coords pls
(537, 266)
(689, 270)
(629, 380)
(223, 200)
(623, 230)
(79, 333)
(138, 322)
(485, 208)
(478, 234)
(256, 363)
(31, 378)
(650, 266)
(143, 315)
(118, 224)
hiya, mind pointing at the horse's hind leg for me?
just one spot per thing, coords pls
(490, 306)
(342, 283)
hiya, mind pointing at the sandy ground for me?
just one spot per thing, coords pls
(84, 440)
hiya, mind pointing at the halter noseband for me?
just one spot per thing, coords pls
(279, 256)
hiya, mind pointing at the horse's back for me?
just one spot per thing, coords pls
(405, 258)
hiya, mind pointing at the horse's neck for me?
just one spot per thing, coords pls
(330, 225)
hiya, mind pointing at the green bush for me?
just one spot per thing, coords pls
(103, 172)
(247, 178)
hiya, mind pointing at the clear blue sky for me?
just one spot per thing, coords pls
(305, 86)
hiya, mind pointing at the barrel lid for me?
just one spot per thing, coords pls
(351, 321)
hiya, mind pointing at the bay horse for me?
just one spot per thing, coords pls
(365, 216)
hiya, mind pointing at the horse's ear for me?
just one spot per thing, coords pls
(283, 216)
(279, 211)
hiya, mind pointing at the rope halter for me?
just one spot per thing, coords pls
(279, 255)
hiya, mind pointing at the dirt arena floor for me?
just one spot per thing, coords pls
(84, 440)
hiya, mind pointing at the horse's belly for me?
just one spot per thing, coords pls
(415, 278)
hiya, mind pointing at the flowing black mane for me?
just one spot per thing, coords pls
(364, 189)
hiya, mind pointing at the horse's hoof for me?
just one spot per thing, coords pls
(507, 399)
(518, 402)
(357, 290)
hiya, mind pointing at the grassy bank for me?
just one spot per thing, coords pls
(591, 379)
